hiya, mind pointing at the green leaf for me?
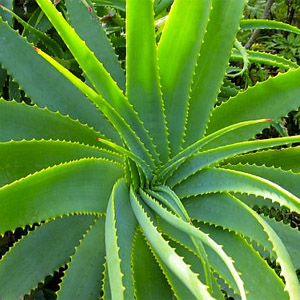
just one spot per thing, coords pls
(211, 65)
(252, 24)
(83, 276)
(211, 157)
(265, 59)
(42, 154)
(88, 27)
(148, 285)
(178, 51)
(45, 86)
(287, 159)
(97, 74)
(5, 15)
(142, 79)
(44, 254)
(120, 4)
(20, 121)
(167, 254)
(205, 239)
(119, 231)
(272, 99)
(79, 186)
(213, 180)
(286, 179)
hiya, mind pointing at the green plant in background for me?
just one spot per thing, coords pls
(137, 183)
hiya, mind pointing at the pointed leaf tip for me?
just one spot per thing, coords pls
(35, 47)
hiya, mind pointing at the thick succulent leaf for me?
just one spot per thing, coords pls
(199, 235)
(87, 25)
(192, 260)
(97, 74)
(290, 238)
(5, 15)
(79, 186)
(119, 231)
(224, 19)
(264, 58)
(178, 51)
(287, 159)
(142, 80)
(147, 284)
(44, 254)
(213, 156)
(129, 136)
(272, 99)
(19, 121)
(42, 154)
(252, 24)
(45, 86)
(83, 276)
(167, 254)
(214, 180)
(286, 179)
(120, 4)
(180, 158)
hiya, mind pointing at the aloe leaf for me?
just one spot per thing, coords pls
(79, 186)
(205, 239)
(167, 254)
(106, 287)
(20, 121)
(41, 250)
(290, 238)
(178, 159)
(214, 180)
(265, 59)
(178, 51)
(45, 86)
(206, 158)
(286, 179)
(4, 14)
(224, 19)
(42, 154)
(147, 285)
(48, 42)
(142, 79)
(272, 99)
(88, 27)
(120, 4)
(129, 136)
(119, 231)
(83, 276)
(287, 158)
(97, 74)
(252, 24)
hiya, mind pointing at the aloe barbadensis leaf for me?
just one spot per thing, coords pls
(213, 180)
(224, 19)
(142, 79)
(129, 136)
(286, 179)
(210, 157)
(42, 154)
(265, 59)
(272, 99)
(5, 15)
(87, 25)
(120, 226)
(167, 254)
(97, 74)
(173, 164)
(41, 250)
(178, 51)
(287, 158)
(83, 276)
(58, 190)
(120, 4)
(147, 285)
(205, 239)
(45, 86)
(252, 24)
(19, 121)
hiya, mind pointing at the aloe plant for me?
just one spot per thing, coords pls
(137, 183)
